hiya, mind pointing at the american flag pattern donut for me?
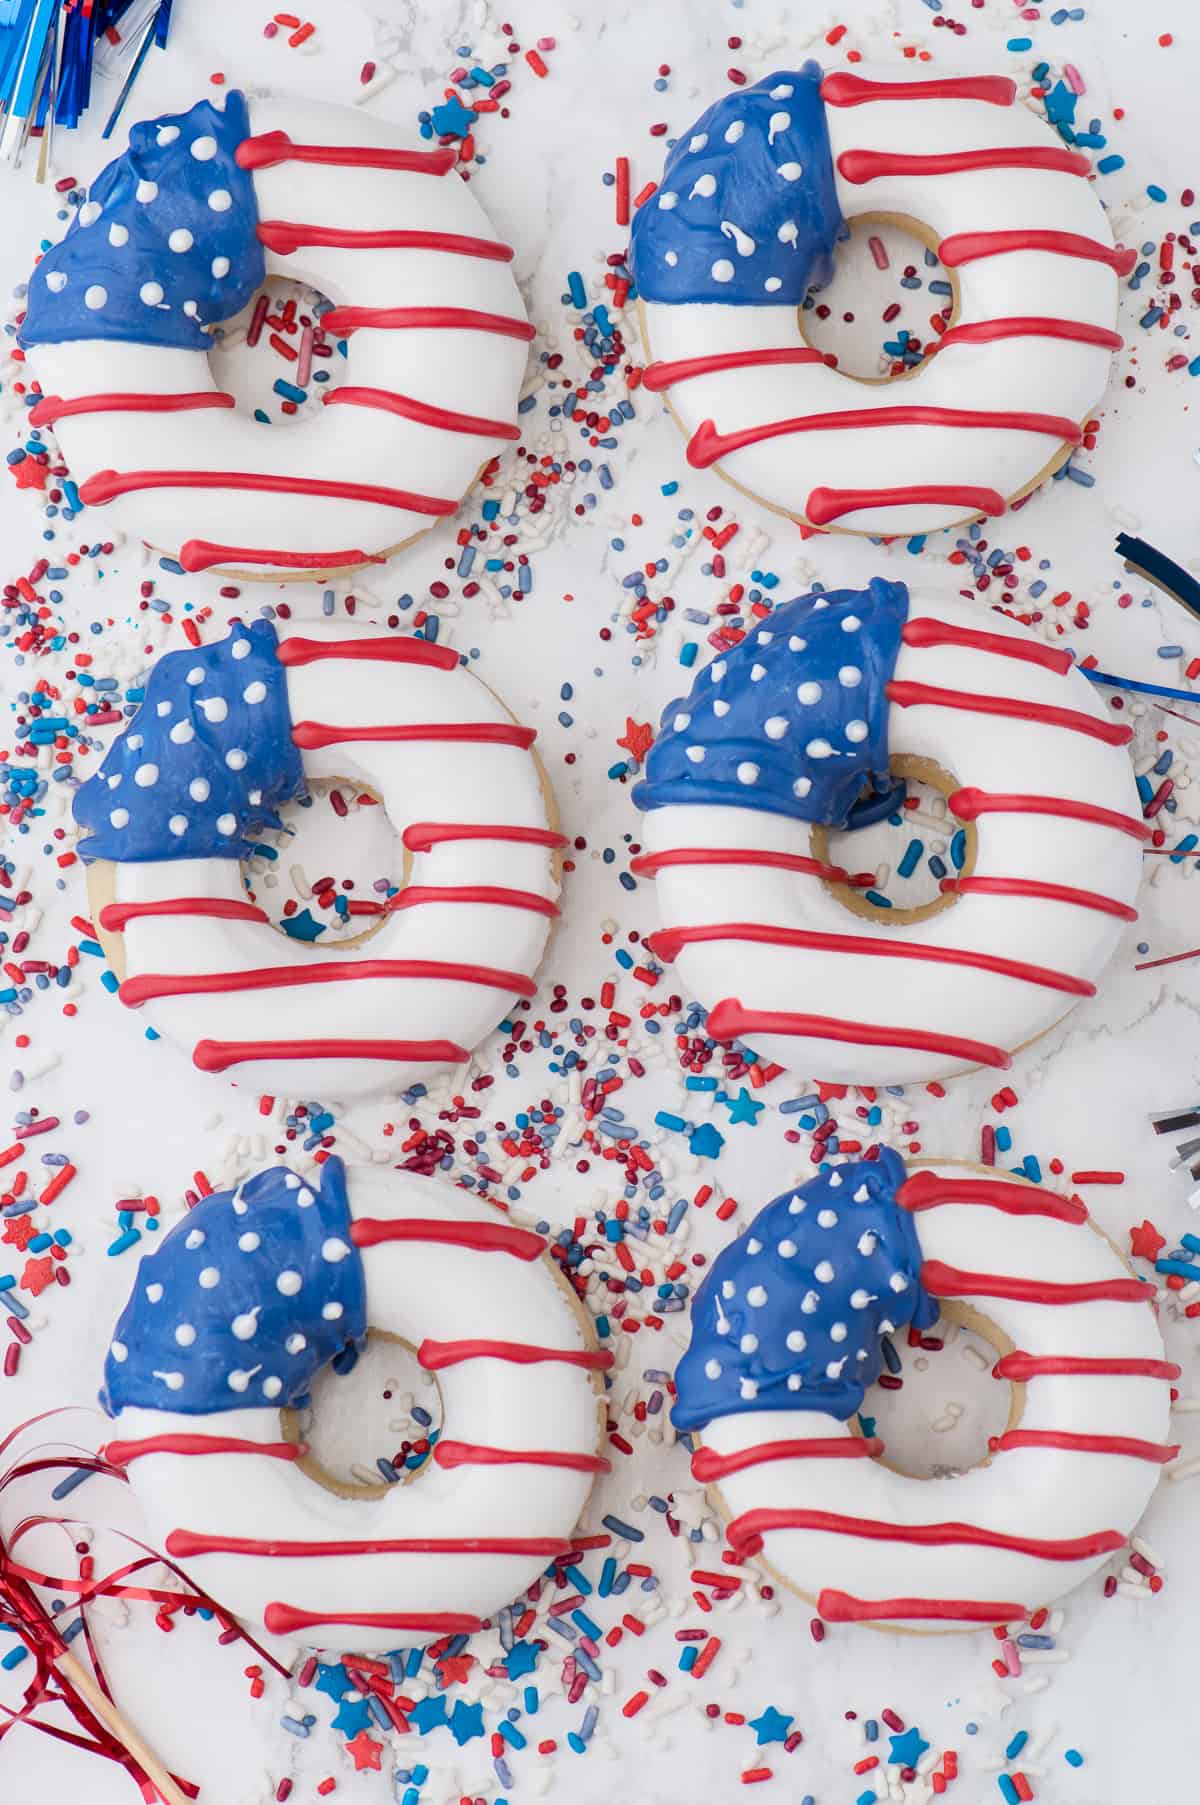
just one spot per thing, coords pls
(795, 728)
(786, 1338)
(177, 235)
(230, 731)
(745, 222)
(254, 1293)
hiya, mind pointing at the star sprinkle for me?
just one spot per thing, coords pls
(453, 119)
(30, 473)
(1145, 1243)
(466, 1722)
(770, 1726)
(908, 1748)
(38, 1274)
(453, 1670)
(743, 1108)
(352, 1717)
(365, 1752)
(705, 1142)
(302, 926)
(332, 1679)
(19, 1231)
(521, 1659)
(429, 1714)
(637, 738)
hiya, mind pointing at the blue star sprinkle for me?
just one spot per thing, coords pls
(908, 1748)
(771, 1726)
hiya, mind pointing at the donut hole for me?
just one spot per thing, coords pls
(363, 1410)
(326, 876)
(848, 319)
(250, 372)
(937, 1414)
(908, 855)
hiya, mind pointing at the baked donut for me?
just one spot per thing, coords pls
(745, 222)
(805, 725)
(786, 1339)
(226, 734)
(230, 1321)
(175, 238)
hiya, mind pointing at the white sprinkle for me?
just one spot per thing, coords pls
(95, 297)
(151, 293)
(797, 1206)
(204, 149)
(838, 1331)
(304, 1198)
(722, 270)
(834, 1369)
(728, 1289)
(720, 709)
(288, 1282)
(180, 240)
(671, 259)
(238, 1381)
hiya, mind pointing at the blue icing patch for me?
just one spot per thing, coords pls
(791, 1313)
(794, 720)
(204, 763)
(746, 212)
(165, 243)
(244, 1302)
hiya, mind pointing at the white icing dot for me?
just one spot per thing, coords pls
(801, 787)
(754, 1245)
(717, 670)
(668, 199)
(146, 776)
(808, 693)
(119, 817)
(272, 1387)
(851, 624)
(695, 755)
(220, 267)
(118, 235)
(786, 1250)
(166, 134)
(182, 732)
(244, 1326)
(810, 1303)
(295, 1344)
(748, 1344)
(119, 1352)
(249, 1242)
(178, 824)
(180, 240)
(154, 1294)
(797, 1341)
(772, 283)
(89, 213)
(859, 1299)
(748, 1389)
(238, 1381)
(747, 772)
(331, 1312)
(681, 723)
(288, 1282)
(209, 1278)
(671, 259)
(146, 192)
(797, 1206)
(304, 1198)
(226, 824)
(199, 789)
(784, 91)
(778, 122)
(837, 1331)
(868, 1242)
(56, 281)
(856, 732)
(819, 749)
(162, 709)
(794, 1382)
(172, 1381)
(849, 676)
(220, 200)
(722, 270)
(776, 726)
(196, 1237)
(827, 1218)
(254, 692)
(235, 758)
(334, 1250)
(720, 709)
(898, 1282)
(240, 648)
(192, 309)
(214, 708)
(114, 781)
(788, 232)
(95, 297)
(791, 172)
(733, 133)
(796, 644)
(204, 149)
(185, 1334)
(151, 293)
(756, 1297)
(823, 1272)
(704, 187)
(698, 141)
(712, 1369)
(757, 672)
(728, 1289)
(834, 1369)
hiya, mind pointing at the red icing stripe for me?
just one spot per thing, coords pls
(309, 735)
(219, 1055)
(1040, 891)
(825, 505)
(648, 864)
(708, 1465)
(286, 1619)
(1013, 708)
(858, 166)
(844, 1607)
(478, 1237)
(845, 90)
(435, 1356)
(184, 1543)
(729, 1021)
(941, 1280)
(969, 247)
(923, 630)
(388, 401)
(1019, 1367)
(298, 650)
(288, 235)
(421, 836)
(666, 943)
(659, 376)
(113, 916)
(202, 554)
(1158, 1452)
(267, 149)
(399, 319)
(107, 485)
(415, 895)
(968, 804)
(988, 332)
(120, 1453)
(745, 1535)
(707, 445)
(927, 1191)
(52, 407)
(452, 1454)
(148, 985)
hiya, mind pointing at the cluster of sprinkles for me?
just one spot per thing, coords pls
(619, 1088)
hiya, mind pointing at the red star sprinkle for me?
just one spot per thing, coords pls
(638, 738)
(30, 473)
(37, 1275)
(19, 1231)
(454, 1670)
(829, 1092)
(1146, 1243)
(364, 1751)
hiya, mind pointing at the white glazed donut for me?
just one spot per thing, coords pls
(744, 223)
(858, 1252)
(227, 733)
(177, 235)
(784, 735)
(230, 1321)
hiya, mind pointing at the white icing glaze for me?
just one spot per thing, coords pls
(991, 753)
(1032, 1492)
(469, 372)
(418, 781)
(1029, 374)
(417, 1290)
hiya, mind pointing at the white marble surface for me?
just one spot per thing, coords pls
(1126, 1696)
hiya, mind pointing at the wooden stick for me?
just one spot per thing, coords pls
(124, 1731)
